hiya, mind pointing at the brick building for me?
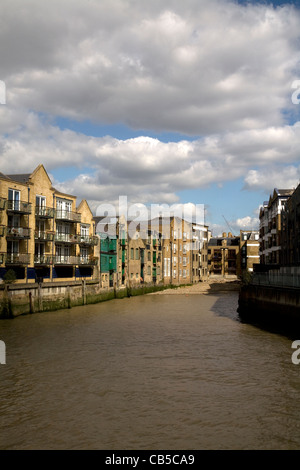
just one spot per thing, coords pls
(43, 235)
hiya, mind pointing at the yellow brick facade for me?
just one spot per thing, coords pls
(44, 236)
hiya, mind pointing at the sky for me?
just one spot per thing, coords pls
(161, 101)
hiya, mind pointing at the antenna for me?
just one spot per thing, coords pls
(228, 225)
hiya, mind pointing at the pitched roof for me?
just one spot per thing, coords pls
(4, 176)
(23, 178)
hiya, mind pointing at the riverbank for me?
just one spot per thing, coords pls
(22, 299)
(211, 286)
(270, 306)
(18, 299)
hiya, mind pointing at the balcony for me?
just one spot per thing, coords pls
(18, 233)
(61, 214)
(88, 261)
(2, 230)
(88, 240)
(20, 207)
(2, 256)
(17, 258)
(2, 203)
(43, 260)
(43, 236)
(62, 260)
(67, 238)
(44, 212)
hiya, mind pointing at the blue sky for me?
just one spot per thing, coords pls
(165, 102)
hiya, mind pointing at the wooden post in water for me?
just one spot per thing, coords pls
(31, 308)
(84, 292)
(69, 296)
(40, 300)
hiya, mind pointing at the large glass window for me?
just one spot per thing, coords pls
(14, 197)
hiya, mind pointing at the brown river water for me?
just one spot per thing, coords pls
(149, 372)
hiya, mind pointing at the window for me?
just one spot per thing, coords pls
(40, 201)
(84, 230)
(63, 207)
(84, 254)
(137, 256)
(149, 270)
(131, 253)
(167, 263)
(137, 275)
(14, 197)
(149, 255)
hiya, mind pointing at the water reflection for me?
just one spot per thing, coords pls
(149, 372)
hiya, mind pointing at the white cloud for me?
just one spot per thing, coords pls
(276, 176)
(195, 68)
(146, 169)
(215, 70)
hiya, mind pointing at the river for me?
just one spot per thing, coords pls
(149, 372)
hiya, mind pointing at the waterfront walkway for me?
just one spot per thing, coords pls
(213, 285)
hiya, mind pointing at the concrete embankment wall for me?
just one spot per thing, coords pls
(278, 306)
(22, 299)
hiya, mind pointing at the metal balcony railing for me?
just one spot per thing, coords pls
(62, 214)
(88, 240)
(18, 232)
(17, 258)
(67, 238)
(88, 261)
(43, 259)
(44, 212)
(75, 260)
(66, 260)
(44, 236)
(21, 207)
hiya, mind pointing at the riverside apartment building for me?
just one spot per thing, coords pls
(166, 250)
(270, 227)
(44, 236)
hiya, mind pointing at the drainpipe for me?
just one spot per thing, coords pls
(28, 199)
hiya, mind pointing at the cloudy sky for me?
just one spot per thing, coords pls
(162, 101)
